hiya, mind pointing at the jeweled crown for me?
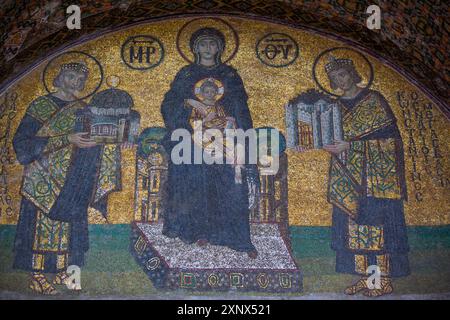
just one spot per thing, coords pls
(76, 66)
(336, 64)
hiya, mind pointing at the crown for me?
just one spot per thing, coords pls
(76, 66)
(335, 64)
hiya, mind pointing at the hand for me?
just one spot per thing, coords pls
(78, 140)
(126, 145)
(210, 116)
(300, 149)
(338, 147)
(197, 105)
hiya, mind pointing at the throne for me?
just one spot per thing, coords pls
(172, 264)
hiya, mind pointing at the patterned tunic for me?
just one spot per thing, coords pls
(59, 182)
(367, 188)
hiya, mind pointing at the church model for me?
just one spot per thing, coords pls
(312, 121)
(109, 117)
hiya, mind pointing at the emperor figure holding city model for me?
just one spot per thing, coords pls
(366, 184)
(207, 203)
(366, 177)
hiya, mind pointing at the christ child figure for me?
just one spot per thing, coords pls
(211, 115)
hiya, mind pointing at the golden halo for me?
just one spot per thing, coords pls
(361, 63)
(93, 81)
(186, 31)
(217, 83)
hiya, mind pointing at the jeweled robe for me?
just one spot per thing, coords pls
(204, 202)
(367, 189)
(60, 182)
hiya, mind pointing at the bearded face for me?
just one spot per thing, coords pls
(71, 80)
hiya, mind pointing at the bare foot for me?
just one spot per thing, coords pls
(252, 254)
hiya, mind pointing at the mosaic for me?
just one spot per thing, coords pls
(89, 180)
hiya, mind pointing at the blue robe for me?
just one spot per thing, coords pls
(203, 200)
(71, 206)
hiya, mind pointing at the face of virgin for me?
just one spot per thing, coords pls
(208, 48)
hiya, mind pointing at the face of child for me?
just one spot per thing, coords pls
(209, 93)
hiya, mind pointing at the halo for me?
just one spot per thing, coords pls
(217, 83)
(184, 35)
(93, 82)
(360, 61)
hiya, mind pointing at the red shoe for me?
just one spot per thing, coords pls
(202, 242)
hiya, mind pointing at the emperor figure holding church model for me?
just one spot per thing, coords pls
(66, 170)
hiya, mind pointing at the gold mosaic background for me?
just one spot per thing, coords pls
(269, 89)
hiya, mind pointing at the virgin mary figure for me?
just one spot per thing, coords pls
(205, 203)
